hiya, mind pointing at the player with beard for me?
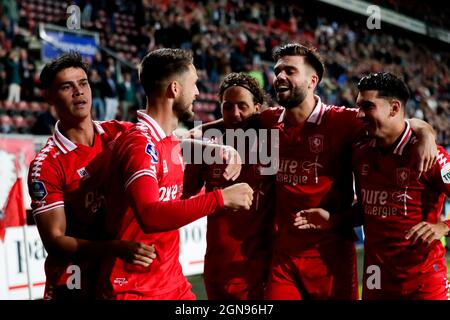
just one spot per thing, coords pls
(148, 171)
(315, 172)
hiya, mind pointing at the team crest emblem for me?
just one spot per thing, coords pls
(365, 169)
(316, 143)
(403, 175)
(151, 151)
(38, 190)
(216, 173)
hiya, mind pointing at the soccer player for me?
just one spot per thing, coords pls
(315, 171)
(400, 208)
(65, 182)
(148, 172)
(238, 248)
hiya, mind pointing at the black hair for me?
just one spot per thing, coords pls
(387, 85)
(71, 59)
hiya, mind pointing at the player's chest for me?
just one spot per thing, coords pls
(388, 187)
(170, 173)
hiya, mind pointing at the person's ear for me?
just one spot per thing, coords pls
(173, 89)
(257, 107)
(396, 107)
(314, 80)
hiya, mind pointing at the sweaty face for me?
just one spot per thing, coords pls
(182, 106)
(237, 105)
(70, 93)
(291, 81)
(374, 112)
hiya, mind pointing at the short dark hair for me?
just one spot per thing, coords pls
(387, 85)
(160, 65)
(242, 80)
(71, 59)
(312, 57)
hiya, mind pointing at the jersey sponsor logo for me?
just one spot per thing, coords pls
(169, 193)
(403, 175)
(83, 173)
(401, 196)
(316, 143)
(120, 281)
(38, 190)
(308, 165)
(445, 173)
(151, 151)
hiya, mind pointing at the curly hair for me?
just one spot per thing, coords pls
(245, 81)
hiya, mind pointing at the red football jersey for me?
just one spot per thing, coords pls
(314, 171)
(146, 151)
(394, 201)
(65, 174)
(239, 243)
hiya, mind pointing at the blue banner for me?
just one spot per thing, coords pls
(57, 40)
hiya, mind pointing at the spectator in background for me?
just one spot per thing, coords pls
(14, 77)
(27, 70)
(98, 88)
(111, 100)
(127, 96)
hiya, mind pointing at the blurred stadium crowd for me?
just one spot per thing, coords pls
(225, 36)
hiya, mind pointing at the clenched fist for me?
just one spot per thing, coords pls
(238, 196)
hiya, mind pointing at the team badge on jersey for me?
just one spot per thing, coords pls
(316, 143)
(365, 169)
(83, 173)
(445, 173)
(38, 190)
(403, 175)
(151, 151)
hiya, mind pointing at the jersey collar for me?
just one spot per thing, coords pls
(64, 144)
(156, 130)
(403, 141)
(315, 116)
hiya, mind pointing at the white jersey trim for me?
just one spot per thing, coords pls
(48, 207)
(139, 174)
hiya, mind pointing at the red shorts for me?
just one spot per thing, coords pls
(183, 292)
(330, 275)
(234, 291)
(425, 286)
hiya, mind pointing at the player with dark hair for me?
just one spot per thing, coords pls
(148, 172)
(238, 247)
(400, 207)
(314, 172)
(65, 181)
